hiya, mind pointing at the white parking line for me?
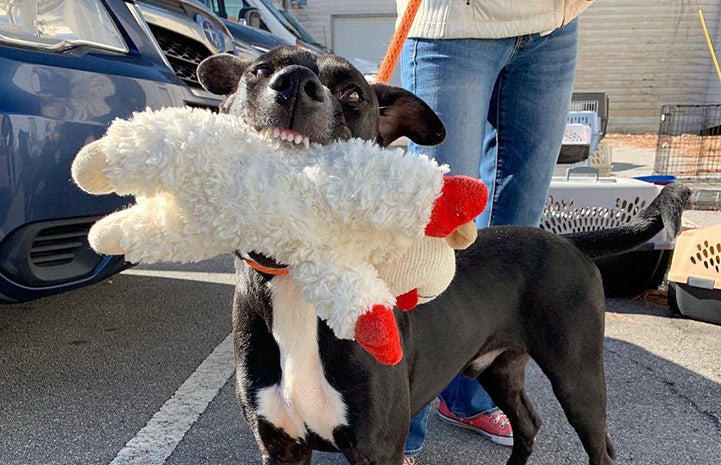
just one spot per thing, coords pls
(160, 436)
(205, 277)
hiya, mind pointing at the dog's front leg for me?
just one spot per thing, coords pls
(355, 458)
(381, 427)
(380, 447)
(277, 448)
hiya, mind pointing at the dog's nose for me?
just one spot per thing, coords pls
(294, 80)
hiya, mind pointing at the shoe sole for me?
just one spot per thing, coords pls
(500, 440)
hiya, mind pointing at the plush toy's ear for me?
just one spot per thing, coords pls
(404, 114)
(463, 236)
(221, 73)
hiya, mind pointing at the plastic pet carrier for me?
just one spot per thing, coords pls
(589, 110)
(588, 203)
(576, 143)
(695, 274)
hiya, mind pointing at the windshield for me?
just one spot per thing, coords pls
(232, 7)
(302, 32)
(291, 23)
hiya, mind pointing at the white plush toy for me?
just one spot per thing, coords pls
(206, 184)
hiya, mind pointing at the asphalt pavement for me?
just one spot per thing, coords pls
(118, 373)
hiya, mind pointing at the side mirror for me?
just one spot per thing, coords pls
(249, 16)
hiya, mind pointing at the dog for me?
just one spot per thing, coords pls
(519, 293)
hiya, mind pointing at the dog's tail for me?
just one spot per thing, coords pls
(665, 211)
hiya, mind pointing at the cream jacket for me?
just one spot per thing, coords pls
(490, 19)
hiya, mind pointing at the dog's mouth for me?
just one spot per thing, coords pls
(287, 136)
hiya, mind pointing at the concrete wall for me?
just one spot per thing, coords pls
(646, 53)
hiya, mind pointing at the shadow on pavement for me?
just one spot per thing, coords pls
(660, 413)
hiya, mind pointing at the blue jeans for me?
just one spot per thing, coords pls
(504, 103)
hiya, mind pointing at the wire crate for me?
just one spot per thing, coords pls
(689, 143)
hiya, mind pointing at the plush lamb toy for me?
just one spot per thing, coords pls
(206, 184)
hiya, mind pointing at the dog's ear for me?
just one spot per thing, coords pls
(221, 73)
(404, 114)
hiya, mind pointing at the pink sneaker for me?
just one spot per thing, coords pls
(409, 460)
(494, 425)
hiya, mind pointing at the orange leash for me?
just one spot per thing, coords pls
(266, 269)
(399, 36)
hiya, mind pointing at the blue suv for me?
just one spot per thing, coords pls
(67, 69)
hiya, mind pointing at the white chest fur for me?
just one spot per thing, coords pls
(303, 400)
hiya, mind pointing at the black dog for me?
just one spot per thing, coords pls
(519, 293)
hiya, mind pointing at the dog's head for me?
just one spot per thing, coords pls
(295, 95)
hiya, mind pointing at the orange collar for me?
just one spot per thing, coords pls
(266, 269)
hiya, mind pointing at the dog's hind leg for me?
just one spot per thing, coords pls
(577, 377)
(504, 380)
(583, 399)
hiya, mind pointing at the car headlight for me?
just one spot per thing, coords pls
(58, 25)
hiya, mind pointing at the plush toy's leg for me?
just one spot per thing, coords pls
(377, 332)
(407, 301)
(92, 167)
(462, 199)
(88, 170)
(106, 235)
(151, 231)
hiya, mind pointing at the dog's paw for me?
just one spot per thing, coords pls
(377, 332)
(88, 170)
(462, 199)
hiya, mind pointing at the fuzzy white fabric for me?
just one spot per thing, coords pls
(206, 184)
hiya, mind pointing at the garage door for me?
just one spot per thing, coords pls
(364, 36)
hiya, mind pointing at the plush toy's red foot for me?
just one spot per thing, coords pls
(407, 301)
(462, 199)
(377, 332)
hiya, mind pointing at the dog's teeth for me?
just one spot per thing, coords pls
(286, 135)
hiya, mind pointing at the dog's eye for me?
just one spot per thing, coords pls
(352, 96)
(262, 72)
